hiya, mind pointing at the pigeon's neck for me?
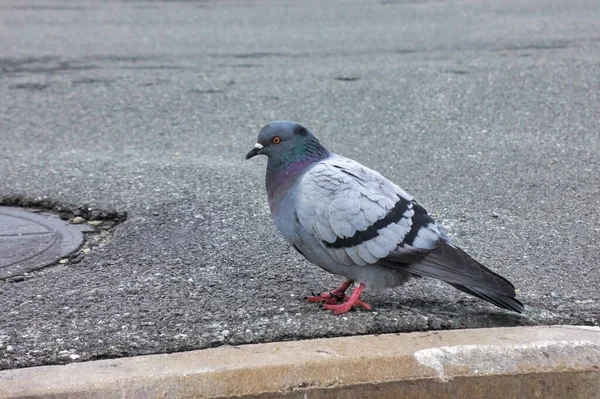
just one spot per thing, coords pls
(282, 172)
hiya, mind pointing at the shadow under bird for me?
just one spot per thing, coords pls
(353, 222)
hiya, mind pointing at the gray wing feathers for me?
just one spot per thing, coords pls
(455, 267)
(339, 197)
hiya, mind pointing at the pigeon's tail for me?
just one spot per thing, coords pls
(455, 267)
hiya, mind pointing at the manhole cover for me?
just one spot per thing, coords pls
(30, 241)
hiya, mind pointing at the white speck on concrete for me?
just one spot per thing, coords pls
(500, 359)
(431, 358)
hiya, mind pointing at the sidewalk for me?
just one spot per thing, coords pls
(535, 362)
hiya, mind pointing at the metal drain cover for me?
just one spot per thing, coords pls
(30, 241)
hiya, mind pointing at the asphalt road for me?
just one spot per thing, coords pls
(488, 112)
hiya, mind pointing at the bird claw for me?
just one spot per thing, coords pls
(349, 302)
(346, 306)
(338, 301)
(328, 298)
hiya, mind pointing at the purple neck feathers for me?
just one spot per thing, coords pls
(282, 172)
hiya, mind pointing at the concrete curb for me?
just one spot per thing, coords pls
(523, 362)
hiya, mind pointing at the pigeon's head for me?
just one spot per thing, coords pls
(285, 139)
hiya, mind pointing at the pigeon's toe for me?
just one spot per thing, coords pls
(346, 306)
(325, 297)
(331, 298)
(352, 301)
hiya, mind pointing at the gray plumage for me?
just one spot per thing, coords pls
(353, 222)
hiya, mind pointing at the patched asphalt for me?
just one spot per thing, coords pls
(486, 112)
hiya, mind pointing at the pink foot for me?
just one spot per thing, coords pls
(352, 302)
(333, 297)
(324, 297)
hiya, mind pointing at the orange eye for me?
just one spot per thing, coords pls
(276, 140)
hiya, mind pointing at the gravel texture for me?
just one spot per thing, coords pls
(486, 111)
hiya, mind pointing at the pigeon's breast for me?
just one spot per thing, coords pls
(284, 216)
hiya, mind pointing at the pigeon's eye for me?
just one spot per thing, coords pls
(276, 140)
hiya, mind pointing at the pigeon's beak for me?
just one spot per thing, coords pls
(255, 151)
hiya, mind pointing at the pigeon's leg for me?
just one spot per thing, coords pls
(333, 297)
(352, 302)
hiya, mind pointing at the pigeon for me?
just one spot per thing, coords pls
(353, 222)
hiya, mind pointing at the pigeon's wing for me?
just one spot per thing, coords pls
(359, 216)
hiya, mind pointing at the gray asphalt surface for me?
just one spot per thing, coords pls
(486, 111)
